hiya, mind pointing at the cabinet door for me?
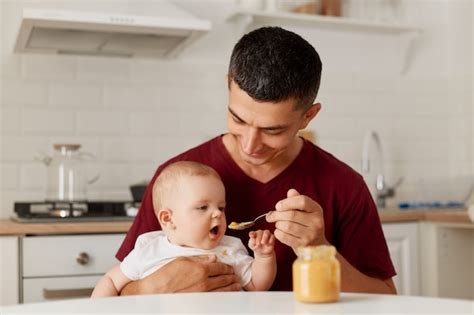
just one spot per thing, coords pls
(447, 260)
(402, 241)
(9, 274)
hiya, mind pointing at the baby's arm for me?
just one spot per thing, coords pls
(264, 266)
(111, 283)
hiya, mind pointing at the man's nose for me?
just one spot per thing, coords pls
(251, 141)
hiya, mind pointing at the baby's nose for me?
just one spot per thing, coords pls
(216, 213)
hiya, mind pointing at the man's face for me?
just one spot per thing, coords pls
(263, 130)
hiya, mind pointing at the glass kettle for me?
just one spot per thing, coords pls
(66, 173)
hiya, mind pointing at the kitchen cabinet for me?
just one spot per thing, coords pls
(9, 270)
(447, 260)
(64, 266)
(402, 240)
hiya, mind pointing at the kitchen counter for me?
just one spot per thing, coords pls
(8, 227)
(452, 215)
(248, 303)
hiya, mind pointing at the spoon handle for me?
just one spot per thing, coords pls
(260, 216)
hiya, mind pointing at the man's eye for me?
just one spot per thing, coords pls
(274, 132)
(237, 120)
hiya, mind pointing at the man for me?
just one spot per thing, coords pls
(273, 80)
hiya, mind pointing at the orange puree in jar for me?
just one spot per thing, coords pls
(316, 274)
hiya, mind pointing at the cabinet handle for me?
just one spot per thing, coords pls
(82, 258)
(66, 293)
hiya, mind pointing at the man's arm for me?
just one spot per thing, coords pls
(352, 280)
(305, 226)
(187, 274)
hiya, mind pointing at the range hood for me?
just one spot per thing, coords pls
(126, 32)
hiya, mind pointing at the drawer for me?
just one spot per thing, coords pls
(49, 289)
(69, 255)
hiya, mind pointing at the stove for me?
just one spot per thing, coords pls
(59, 211)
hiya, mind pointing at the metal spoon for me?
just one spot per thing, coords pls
(244, 225)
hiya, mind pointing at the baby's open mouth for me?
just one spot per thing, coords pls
(214, 230)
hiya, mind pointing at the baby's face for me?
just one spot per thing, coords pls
(198, 204)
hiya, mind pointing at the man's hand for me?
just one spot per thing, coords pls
(298, 221)
(187, 274)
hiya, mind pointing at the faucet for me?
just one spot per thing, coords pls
(382, 190)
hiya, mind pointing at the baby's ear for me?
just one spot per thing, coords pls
(165, 217)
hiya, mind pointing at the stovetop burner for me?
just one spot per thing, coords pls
(52, 211)
(64, 209)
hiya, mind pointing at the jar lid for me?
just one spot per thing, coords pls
(67, 146)
(316, 252)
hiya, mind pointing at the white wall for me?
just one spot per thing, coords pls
(135, 113)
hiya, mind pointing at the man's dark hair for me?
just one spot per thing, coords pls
(273, 64)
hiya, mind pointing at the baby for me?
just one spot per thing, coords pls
(189, 203)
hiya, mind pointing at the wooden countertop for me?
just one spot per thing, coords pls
(8, 227)
(432, 215)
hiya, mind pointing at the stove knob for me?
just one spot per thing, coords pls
(82, 258)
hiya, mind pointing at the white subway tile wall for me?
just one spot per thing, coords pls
(134, 114)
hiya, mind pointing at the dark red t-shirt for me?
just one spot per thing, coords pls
(352, 223)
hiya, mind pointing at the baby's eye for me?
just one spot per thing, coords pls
(203, 207)
(222, 209)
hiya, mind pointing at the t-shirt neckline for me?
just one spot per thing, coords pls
(239, 173)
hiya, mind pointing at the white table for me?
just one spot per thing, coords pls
(248, 303)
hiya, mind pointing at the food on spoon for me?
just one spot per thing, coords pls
(238, 226)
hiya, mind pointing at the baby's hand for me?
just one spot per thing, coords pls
(261, 242)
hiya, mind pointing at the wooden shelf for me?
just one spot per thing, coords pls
(400, 36)
(320, 21)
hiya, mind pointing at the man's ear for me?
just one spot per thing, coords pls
(310, 114)
(227, 81)
(165, 217)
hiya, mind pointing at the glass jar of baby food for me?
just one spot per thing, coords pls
(316, 274)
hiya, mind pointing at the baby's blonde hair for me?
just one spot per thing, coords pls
(169, 177)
